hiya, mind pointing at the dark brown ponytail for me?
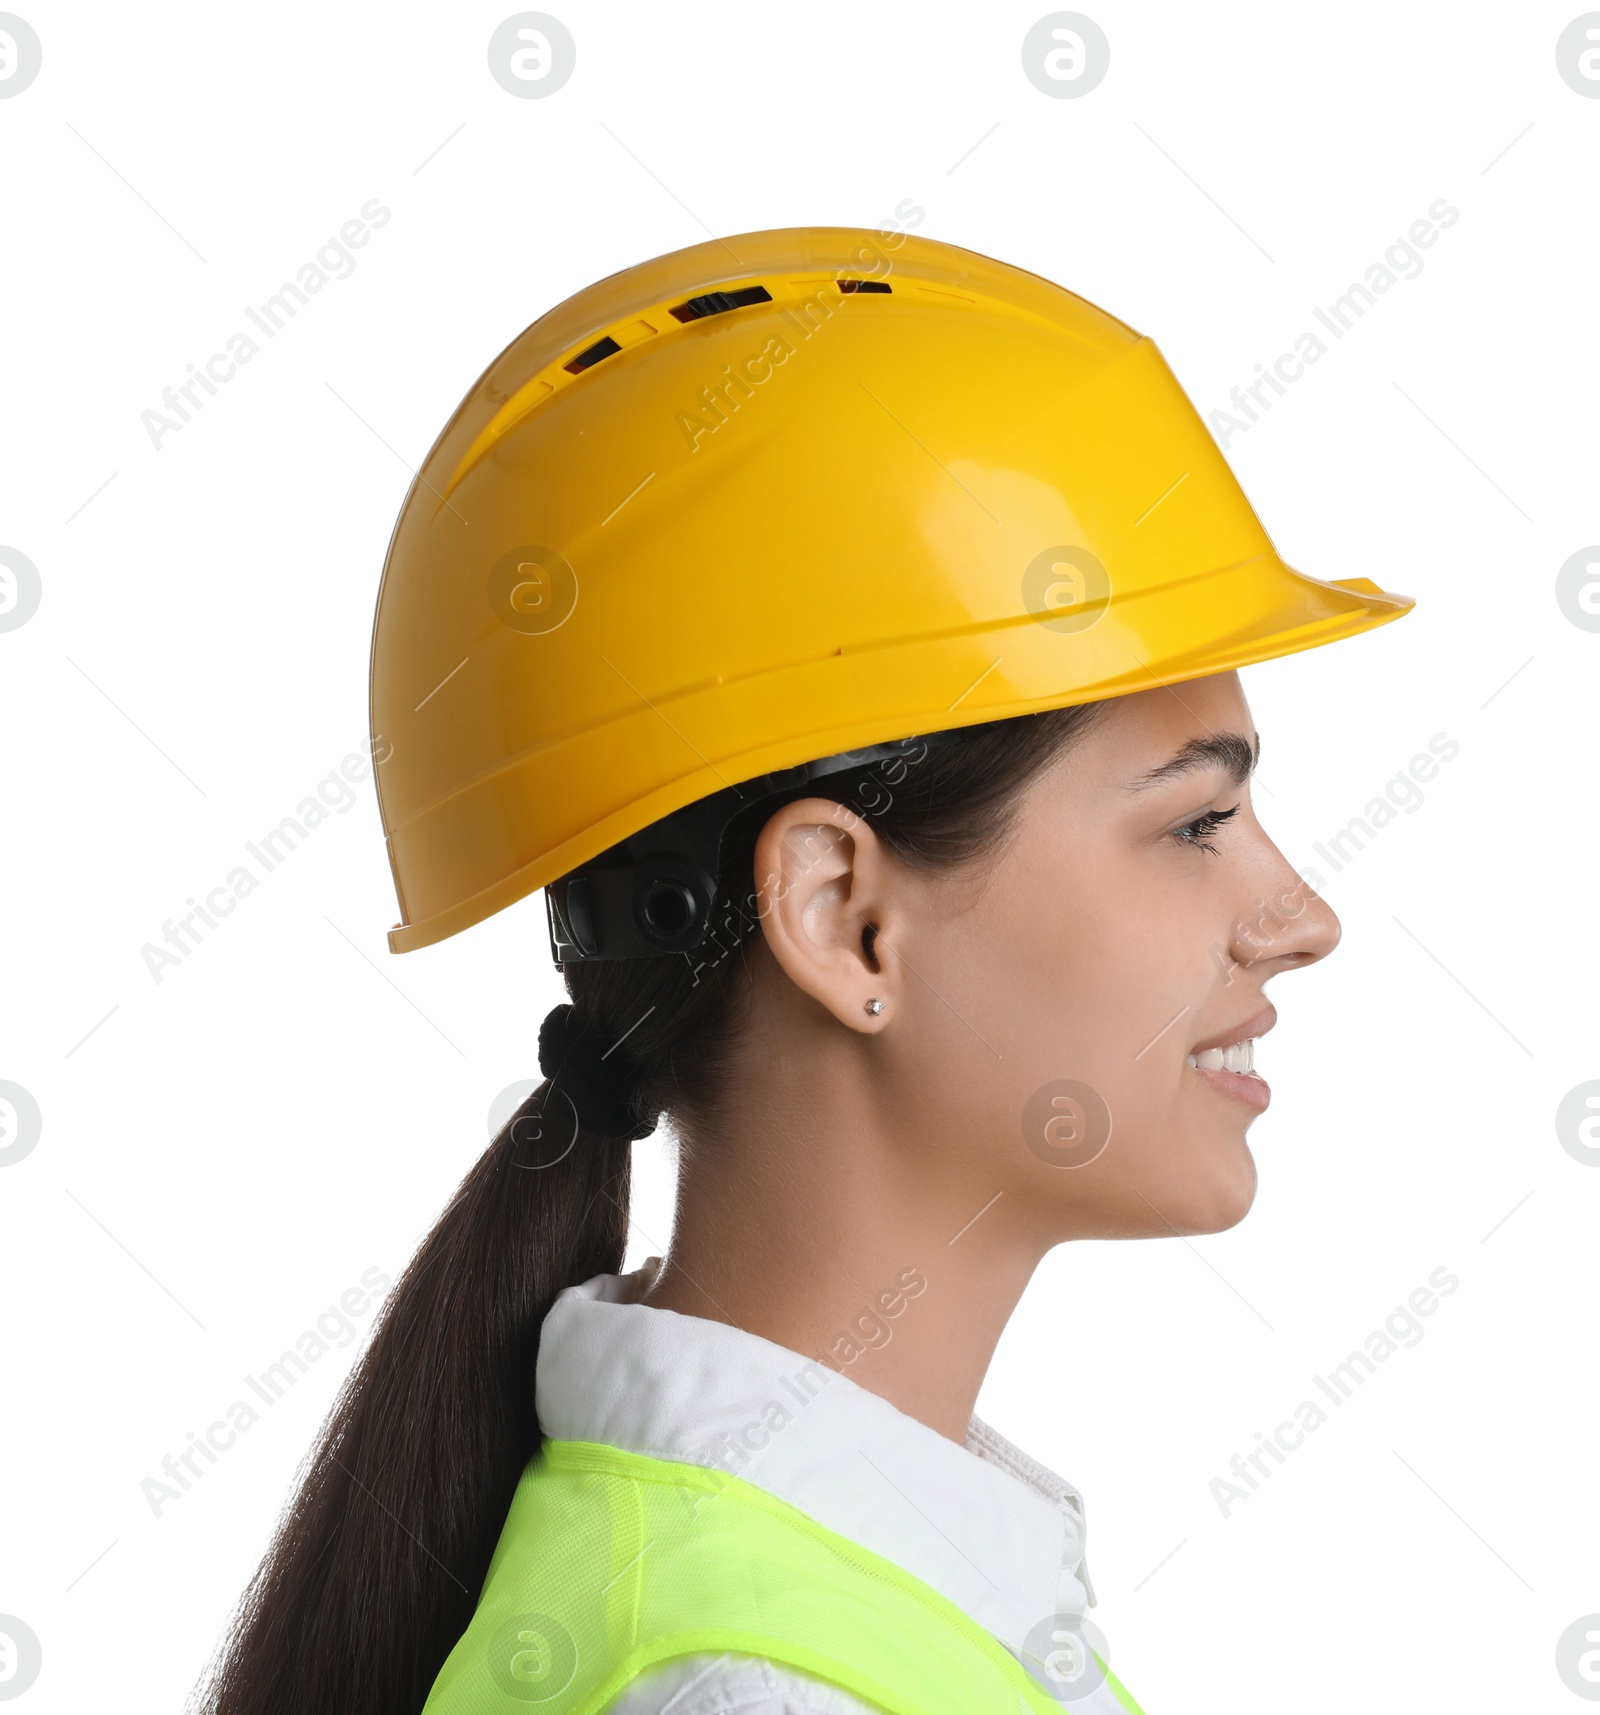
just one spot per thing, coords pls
(378, 1560)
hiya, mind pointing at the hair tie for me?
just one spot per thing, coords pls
(601, 1085)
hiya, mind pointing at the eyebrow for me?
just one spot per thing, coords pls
(1228, 750)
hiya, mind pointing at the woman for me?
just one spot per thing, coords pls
(844, 632)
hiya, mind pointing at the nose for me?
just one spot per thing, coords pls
(1286, 925)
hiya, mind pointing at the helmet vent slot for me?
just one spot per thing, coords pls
(719, 303)
(592, 354)
(864, 285)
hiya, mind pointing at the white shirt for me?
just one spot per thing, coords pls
(987, 1527)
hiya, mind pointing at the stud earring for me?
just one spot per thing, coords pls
(874, 1006)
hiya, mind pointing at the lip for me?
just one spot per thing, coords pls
(1247, 1088)
(1259, 1025)
(1250, 1088)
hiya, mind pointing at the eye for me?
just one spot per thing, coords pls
(1198, 832)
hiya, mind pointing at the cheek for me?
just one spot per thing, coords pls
(1100, 985)
(1072, 994)
(1099, 972)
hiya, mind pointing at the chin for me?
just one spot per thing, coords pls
(1235, 1196)
(1217, 1197)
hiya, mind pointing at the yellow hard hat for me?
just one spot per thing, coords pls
(777, 497)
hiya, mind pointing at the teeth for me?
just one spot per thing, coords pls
(1236, 1057)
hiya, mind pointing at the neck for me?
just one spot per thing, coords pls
(823, 1212)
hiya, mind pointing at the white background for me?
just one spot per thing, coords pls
(225, 1152)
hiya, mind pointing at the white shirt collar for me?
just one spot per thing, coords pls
(990, 1529)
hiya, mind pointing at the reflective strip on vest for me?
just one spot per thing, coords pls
(611, 1562)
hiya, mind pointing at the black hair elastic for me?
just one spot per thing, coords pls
(601, 1085)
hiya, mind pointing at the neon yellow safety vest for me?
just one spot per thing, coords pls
(611, 1562)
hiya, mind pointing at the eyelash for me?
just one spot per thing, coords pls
(1195, 833)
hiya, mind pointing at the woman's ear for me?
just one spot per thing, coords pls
(828, 892)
